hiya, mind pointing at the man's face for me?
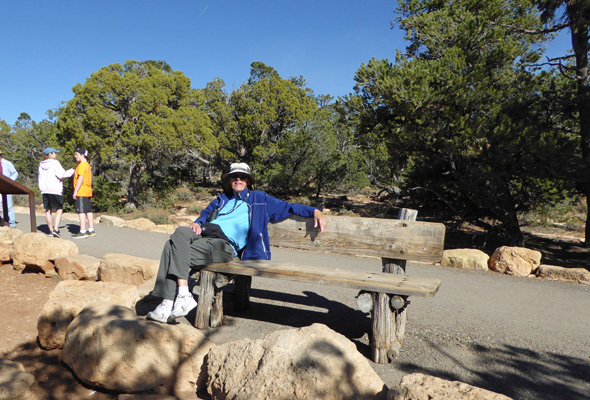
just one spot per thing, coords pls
(53, 154)
(239, 182)
(77, 156)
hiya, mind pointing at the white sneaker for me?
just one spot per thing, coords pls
(182, 306)
(160, 314)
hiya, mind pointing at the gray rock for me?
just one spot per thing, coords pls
(517, 261)
(110, 347)
(68, 298)
(14, 381)
(110, 220)
(39, 252)
(128, 269)
(425, 387)
(578, 275)
(465, 259)
(80, 267)
(313, 362)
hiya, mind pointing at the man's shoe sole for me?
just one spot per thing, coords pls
(174, 316)
(154, 317)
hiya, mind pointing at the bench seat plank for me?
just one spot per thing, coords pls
(370, 281)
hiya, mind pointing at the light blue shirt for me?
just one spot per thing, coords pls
(8, 170)
(234, 221)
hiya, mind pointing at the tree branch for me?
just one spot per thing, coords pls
(550, 29)
(198, 157)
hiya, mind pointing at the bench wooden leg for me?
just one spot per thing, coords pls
(385, 345)
(243, 285)
(210, 303)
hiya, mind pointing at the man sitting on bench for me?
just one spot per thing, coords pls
(235, 223)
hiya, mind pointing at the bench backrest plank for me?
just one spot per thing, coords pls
(386, 238)
(370, 281)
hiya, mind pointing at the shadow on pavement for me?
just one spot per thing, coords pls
(519, 373)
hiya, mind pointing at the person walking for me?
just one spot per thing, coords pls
(234, 224)
(7, 169)
(83, 194)
(51, 174)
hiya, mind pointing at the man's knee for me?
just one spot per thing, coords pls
(183, 233)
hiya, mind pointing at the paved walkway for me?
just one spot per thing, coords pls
(526, 338)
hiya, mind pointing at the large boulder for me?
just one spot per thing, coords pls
(313, 362)
(80, 267)
(14, 381)
(128, 269)
(7, 236)
(517, 261)
(110, 347)
(36, 251)
(425, 387)
(68, 298)
(465, 259)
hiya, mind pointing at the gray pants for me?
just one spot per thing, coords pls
(186, 251)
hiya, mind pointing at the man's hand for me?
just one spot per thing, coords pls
(195, 227)
(319, 221)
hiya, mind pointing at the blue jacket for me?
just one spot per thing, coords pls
(262, 208)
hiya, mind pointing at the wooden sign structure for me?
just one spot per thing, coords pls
(8, 186)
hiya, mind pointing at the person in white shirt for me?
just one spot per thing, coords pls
(51, 174)
(7, 169)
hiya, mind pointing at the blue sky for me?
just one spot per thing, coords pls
(49, 46)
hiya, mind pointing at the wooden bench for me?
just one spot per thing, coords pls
(383, 293)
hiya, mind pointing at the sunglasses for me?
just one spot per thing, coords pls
(242, 177)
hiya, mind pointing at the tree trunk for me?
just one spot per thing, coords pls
(579, 16)
(506, 212)
(135, 172)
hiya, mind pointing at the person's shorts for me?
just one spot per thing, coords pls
(53, 202)
(83, 205)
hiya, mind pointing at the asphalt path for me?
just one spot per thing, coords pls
(526, 338)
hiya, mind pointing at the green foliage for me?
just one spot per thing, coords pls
(105, 196)
(461, 116)
(23, 145)
(194, 209)
(156, 215)
(267, 109)
(184, 195)
(138, 116)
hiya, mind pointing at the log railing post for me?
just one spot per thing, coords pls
(389, 325)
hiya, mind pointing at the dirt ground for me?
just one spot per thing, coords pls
(23, 295)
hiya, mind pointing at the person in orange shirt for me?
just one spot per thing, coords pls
(83, 194)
